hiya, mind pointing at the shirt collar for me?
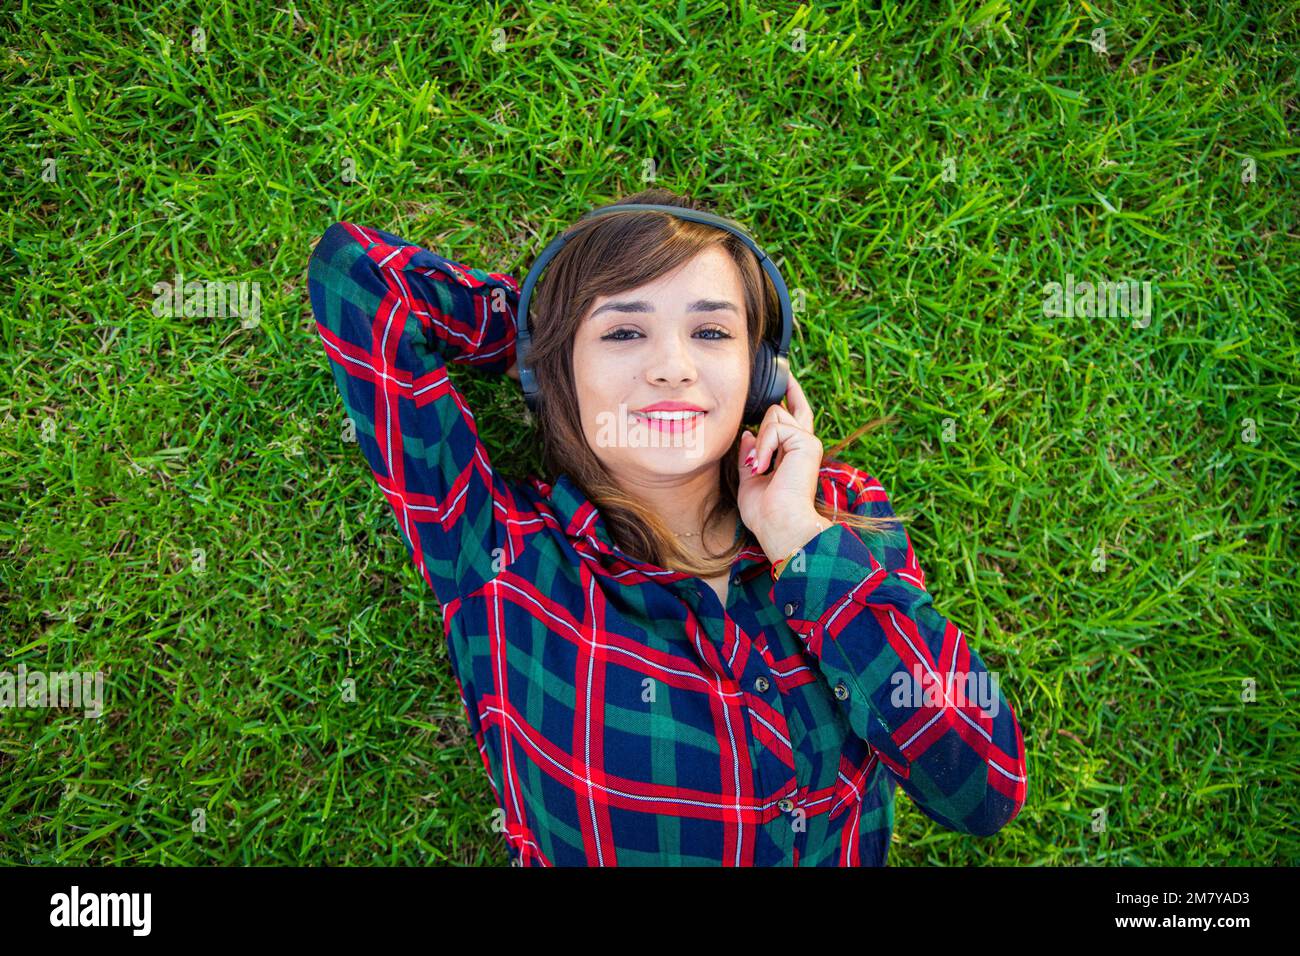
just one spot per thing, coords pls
(582, 522)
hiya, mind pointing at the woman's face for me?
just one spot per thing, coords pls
(662, 370)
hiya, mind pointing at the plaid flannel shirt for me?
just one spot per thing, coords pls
(624, 717)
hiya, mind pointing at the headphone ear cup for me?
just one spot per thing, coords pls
(528, 384)
(762, 378)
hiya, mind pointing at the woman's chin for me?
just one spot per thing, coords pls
(676, 461)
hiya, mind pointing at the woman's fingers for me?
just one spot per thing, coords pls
(798, 403)
(771, 432)
(796, 413)
(757, 464)
(747, 443)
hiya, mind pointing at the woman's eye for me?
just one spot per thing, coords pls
(622, 335)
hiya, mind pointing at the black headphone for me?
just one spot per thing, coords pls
(770, 374)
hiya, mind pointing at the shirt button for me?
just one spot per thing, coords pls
(841, 692)
(789, 610)
(761, 685)
(785, 805)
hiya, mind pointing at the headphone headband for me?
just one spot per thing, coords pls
(769, 375)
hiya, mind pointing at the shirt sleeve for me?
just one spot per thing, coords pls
(390, 315)
(905, 676)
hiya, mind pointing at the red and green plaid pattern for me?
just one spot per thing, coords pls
(623, 716)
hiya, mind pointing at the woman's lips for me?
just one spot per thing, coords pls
(669, 425)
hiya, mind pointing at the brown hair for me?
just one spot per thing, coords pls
(604, 256)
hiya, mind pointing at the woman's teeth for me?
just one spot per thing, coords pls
(668, 416)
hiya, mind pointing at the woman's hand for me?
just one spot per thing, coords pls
(778, 507)
(513, 370)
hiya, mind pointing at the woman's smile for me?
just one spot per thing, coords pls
(671, 422)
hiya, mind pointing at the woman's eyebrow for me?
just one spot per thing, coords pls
(641, 305)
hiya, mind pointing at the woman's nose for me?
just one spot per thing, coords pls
(672, 363)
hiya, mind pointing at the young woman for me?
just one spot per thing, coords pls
(714, 651)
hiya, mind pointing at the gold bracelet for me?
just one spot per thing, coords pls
(780, 565)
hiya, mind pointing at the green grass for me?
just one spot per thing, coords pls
(1023, 442)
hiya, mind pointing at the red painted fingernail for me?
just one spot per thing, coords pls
(749, 459)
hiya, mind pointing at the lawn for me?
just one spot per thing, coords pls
(1103, 498)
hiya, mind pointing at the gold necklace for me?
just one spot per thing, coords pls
(689, 534)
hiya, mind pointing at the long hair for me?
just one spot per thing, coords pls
(606, 256)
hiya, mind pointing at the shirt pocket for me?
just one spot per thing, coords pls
(851, 785)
